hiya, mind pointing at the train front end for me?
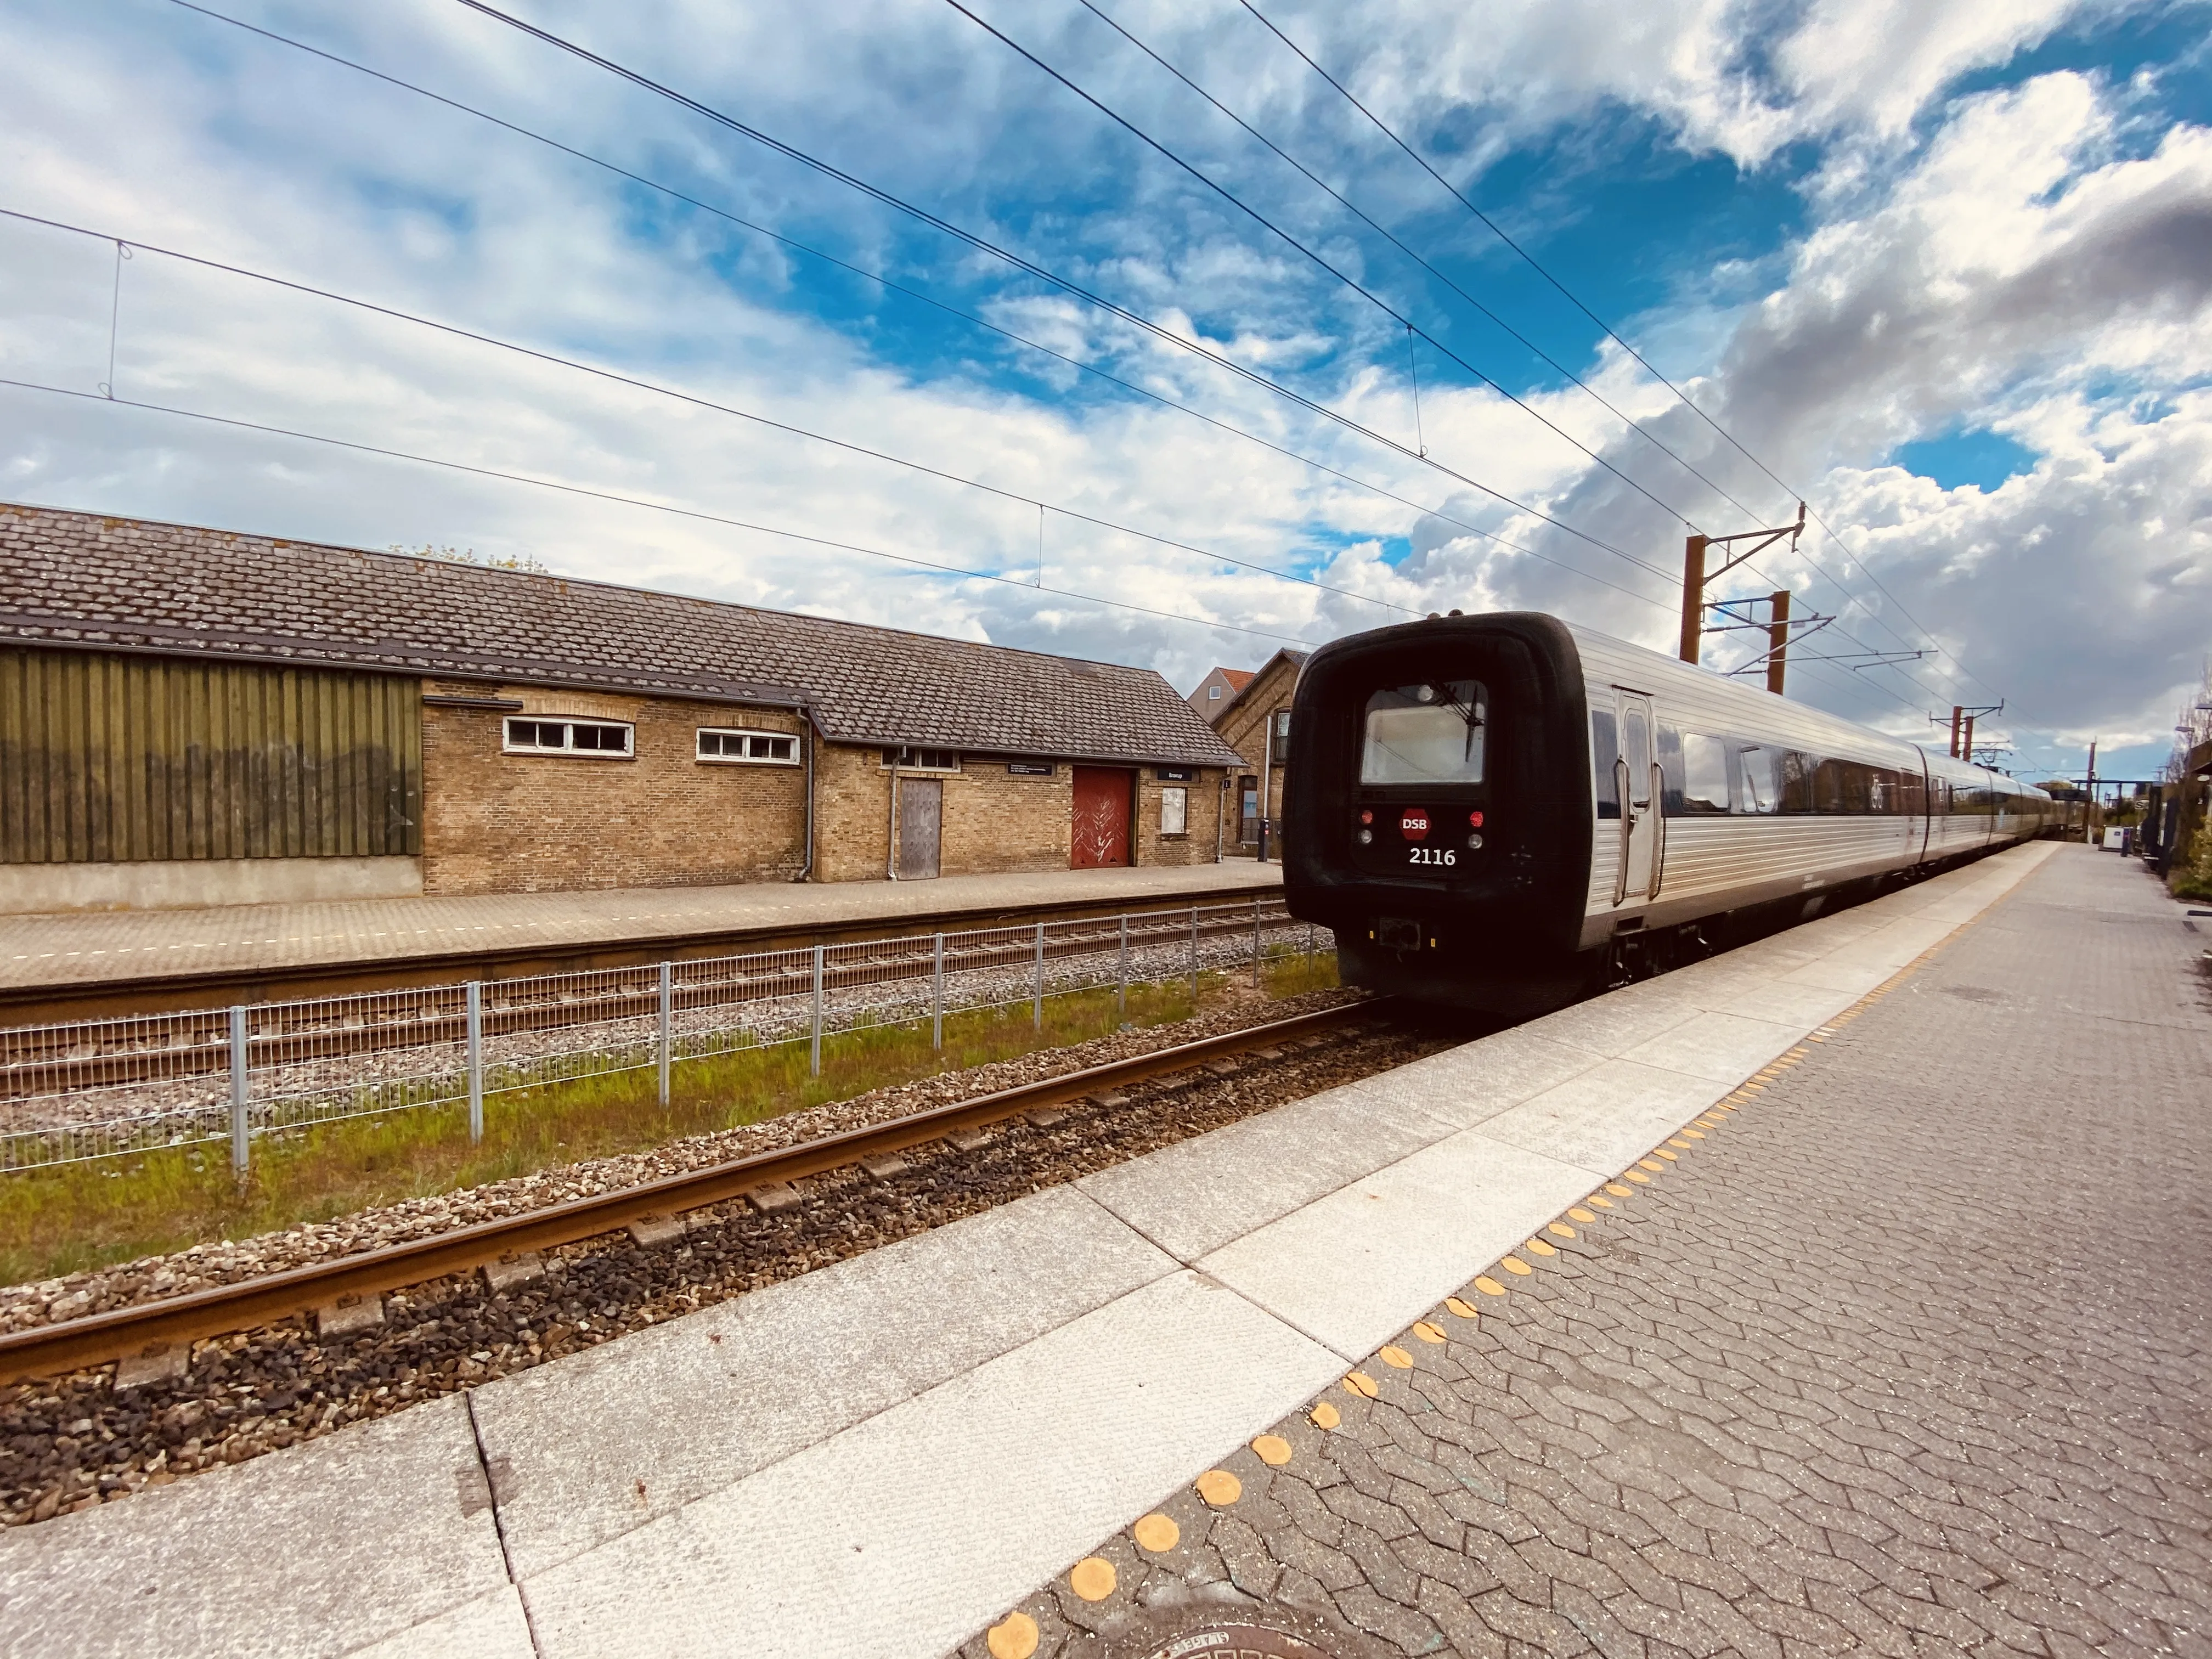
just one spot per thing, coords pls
(1437, 813)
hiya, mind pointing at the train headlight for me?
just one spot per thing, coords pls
(1366, 837)
(1474, 840)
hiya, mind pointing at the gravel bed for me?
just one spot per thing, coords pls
(75, 1442)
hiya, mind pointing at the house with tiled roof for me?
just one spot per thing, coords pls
(1212, 693)
(1255, 721)
(231, 717)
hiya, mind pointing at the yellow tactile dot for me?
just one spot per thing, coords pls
(1560, 1229)
(1639, 1176)
(1156, 1533)
(1682, 1141)
(1429, 1333)
(1365, 1386)
(1489, 1286)
(1396, 1359)
(1542, 1247)
(1325, 1416)
(1219, 1488)
(1514, 1264)
(1014, 1637)
(1273, 1450)
(1464, 1309)
(1695, 1134)
(1092, 1578)
(1648, 1164)
(1580, 1214)
(1602, 1203)
(1620, 1191)
(1661, 1151)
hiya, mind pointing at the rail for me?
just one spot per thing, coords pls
(80, 1091)
(154, 1327)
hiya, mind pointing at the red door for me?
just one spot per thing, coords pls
(1102, 818)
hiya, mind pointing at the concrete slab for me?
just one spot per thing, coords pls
(1611, 1025)
(1465, 1086)
(322, 1549)
(1196, 1195)
(1605, 1119)
(1722, 1048)
(1357, 1267)
(1804, 1006)
(691, 1406)
(905, 1533)
(494, 1628)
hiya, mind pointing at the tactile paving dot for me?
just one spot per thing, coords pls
(1272, 1450)
(1156, 1533)
(1219, 1488)
(1092, 1578)
(1325, 1416)
(1014, 1637)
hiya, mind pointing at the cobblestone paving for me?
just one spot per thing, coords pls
(1909, 1354)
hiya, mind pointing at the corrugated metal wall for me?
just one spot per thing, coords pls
(110, 758)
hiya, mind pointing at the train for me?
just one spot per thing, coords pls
(1504, 812)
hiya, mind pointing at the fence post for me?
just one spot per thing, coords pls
(1121, 986)
(239, 1085)
(937, 994)
(817, 1011)
(667, 1025)
(1310, 939)
(1037, 1017)
(476, 1059)
(1194, 958)
(1255, 941)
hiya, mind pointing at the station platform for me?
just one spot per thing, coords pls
(1849, 1290)
(65, 964)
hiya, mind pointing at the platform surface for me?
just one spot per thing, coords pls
(103, 947)
(1909, 1353)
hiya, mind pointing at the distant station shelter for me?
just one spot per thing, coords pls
(189, 716)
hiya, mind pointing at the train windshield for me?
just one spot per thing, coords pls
(1430, 734)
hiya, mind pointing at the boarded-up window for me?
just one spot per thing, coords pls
(110, 758)
(1175, 811)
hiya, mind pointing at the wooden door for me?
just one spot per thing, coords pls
(1102, 818)
(921, 817)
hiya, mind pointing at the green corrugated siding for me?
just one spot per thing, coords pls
(109, 758)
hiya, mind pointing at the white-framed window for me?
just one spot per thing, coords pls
(922, 760)
(1214, 693)
(1175, 811)
(728, 745)
(545, 734)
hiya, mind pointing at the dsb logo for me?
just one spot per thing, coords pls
(1413, 824)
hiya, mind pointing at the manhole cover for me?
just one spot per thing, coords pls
(1236, 1642)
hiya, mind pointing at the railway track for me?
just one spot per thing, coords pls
(153, 1328)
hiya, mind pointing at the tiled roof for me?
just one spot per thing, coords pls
(1296, 659)
(81, 580)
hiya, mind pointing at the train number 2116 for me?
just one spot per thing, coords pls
(1443, 855)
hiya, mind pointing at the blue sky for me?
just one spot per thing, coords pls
(1939, 269)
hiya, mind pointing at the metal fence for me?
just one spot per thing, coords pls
(98, 1088)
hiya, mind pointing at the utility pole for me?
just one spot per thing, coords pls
(1967, 750)
(1777, 641)
(2089, 788)
(1958, 714)
(1695, 576)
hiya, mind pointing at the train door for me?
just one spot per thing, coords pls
(1636, 773)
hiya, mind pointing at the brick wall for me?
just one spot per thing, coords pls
(1202, 815)
(1244, 728)
(495, 822)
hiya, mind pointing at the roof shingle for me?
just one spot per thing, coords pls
(84, 581)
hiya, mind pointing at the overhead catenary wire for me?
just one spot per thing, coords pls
(1180, 342)
(890, 284)
(1024, 583)
(1536, 264)
(694, 400)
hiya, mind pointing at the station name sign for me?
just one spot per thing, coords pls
(1174, 773)
(1032, 768)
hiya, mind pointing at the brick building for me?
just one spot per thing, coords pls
(1255, 721)
(1212, 693)
(193, 716)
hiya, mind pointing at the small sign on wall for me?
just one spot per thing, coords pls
(1032, 768)
(1173, 774)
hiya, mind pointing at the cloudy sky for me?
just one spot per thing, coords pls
(1122, 308)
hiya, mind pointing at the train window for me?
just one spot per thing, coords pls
(1759, 771)
(1705, 775)
(1430, 734)
(1636, 744)
(1670, 769)
(1605, 752)
(1797, 771)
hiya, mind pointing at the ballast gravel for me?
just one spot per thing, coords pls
(72, 1443)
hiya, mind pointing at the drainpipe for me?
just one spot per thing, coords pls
(890, 825)
(1267, 773)
(1220, 812)
(813, 737)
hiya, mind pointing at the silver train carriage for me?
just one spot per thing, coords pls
(1505, 811)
